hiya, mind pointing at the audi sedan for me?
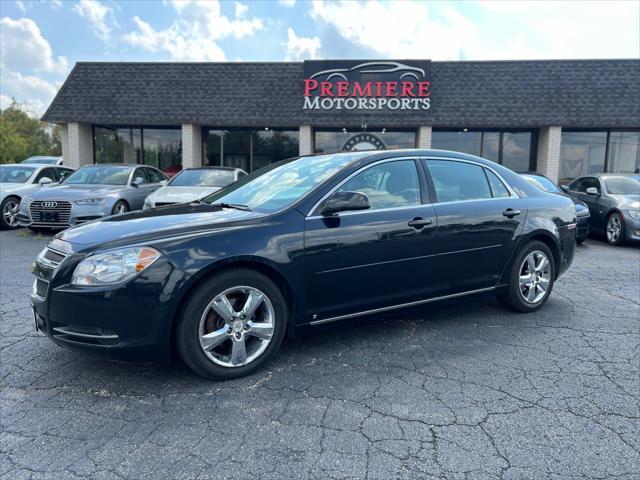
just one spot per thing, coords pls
(90, 193)
(304, 242)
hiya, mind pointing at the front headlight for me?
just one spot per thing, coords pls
(582, 210)
(634, 213)
(91, 201)
(148, 203)
(113, 267)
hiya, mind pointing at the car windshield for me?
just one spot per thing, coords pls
(622, 186)
(41, 160)
(276, 187)
(99, 175)
(542, 183)
(202, 178)
(15, 174)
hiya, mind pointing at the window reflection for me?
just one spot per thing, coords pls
(335, 140)
(581, 153)
(624, 152)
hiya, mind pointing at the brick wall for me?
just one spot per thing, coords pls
(191, 145)
(549, 152)
(306, 140)
(79, 145)
(424, 137)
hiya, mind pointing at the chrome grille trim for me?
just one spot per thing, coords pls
(61, 207)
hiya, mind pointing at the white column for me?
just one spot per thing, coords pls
(79, 149)
(424, 137)
(64, 140)
(305, 139)
(191, 145)
(549, 140)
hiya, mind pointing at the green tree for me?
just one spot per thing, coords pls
(22, 136)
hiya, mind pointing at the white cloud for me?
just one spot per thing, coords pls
(195, 34)
(33, 93)
(287, 3)
(21, 6)
(96, 13)
(22, 46)
(301, 48)
(55, 4)
(452, 31)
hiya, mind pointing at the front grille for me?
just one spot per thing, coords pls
(53, 256)
(40, 210)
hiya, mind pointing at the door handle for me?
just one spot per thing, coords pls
(510, 213)
(420, 222)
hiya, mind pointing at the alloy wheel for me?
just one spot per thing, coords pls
(10, 213)
(535, 276)
(614, 228)
(120, 209)
(237, 326)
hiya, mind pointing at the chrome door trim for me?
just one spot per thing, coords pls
(401, 305)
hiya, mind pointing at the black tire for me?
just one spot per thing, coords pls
(120, 207)
(188, 327)
(612, 240)
(513, 298)
(8, 202)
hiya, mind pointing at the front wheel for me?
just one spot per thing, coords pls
(531, 278)
(119, 208)
(231, 325)
(9, 209)
(615, 229)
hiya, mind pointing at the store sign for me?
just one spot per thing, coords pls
(363, 141)
(367, 86)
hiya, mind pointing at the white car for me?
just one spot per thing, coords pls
(193, 184)
(18, 180)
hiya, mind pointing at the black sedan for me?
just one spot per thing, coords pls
(582, 210)
(304, 242)
(614, 204)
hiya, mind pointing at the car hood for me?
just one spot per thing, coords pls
(171, 194)
(154, 224)
(628, 202)
(76, 192)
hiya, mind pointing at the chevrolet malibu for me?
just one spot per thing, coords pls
(305, 242)
(90, 193)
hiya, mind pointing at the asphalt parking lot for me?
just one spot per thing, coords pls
(465, 390)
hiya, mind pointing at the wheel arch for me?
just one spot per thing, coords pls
(252, 263)
(543, 236)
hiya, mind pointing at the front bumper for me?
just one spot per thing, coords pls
(582, 227)
(31, 216)
(131, 321)
(631, 228)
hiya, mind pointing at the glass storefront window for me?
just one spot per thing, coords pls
(581, 153)
(624, 152)
(117, 145)
(163, 148)
(513, 149)
(249, 149)
(338, 140)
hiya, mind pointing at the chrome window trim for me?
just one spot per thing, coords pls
(420, 158)
(360, 170)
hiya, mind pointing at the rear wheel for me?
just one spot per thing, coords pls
(232, 324)
(9, 209)
(615, 229)
(531, 278)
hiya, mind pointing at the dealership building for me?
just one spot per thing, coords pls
(562, 118)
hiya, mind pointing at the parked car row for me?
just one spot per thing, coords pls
(40, 196)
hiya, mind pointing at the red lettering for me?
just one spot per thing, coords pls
(378, 89)
(424, 89)
(309, 86)
(325, 89)
(392, 89)
(360, 91)
(343, 89)
(407, 89)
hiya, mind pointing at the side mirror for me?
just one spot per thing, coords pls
(137, 182)
(564, 188)
(592, 191)
(45, 181)
(344, 201)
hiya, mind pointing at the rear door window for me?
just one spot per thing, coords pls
(458, 181)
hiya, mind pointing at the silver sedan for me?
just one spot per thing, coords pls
(20, 180)
(91, 192)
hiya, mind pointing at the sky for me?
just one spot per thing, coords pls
(40, 40)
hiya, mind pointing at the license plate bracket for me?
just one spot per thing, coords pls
(49, 216)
